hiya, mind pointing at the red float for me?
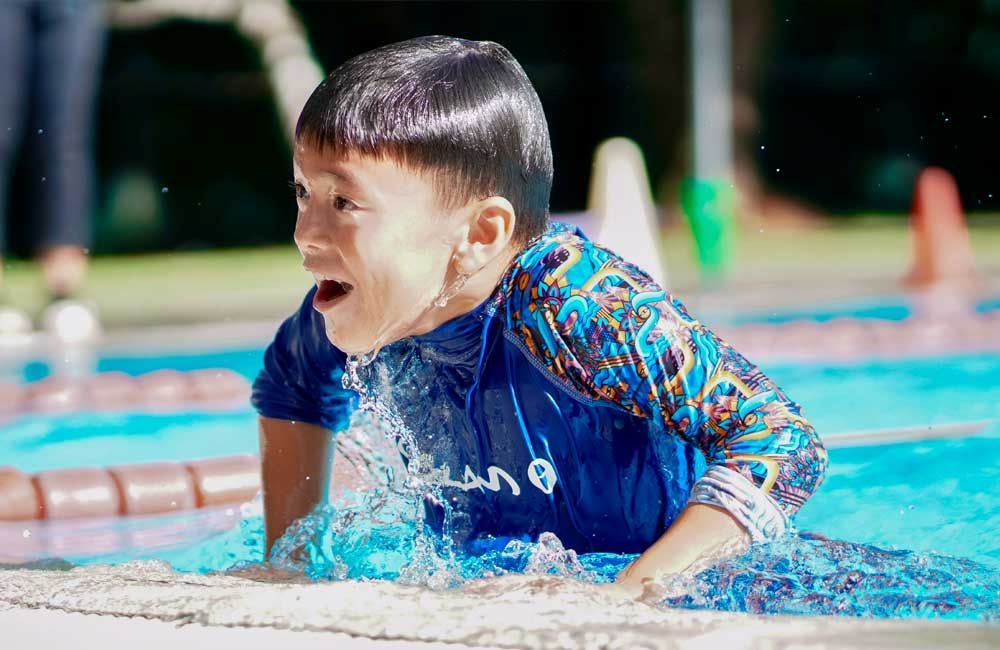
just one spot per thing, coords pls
(153, 488)
(77, 492)
(113, 391)
(164, 390)
(11, 398)
(231, 479)
(219, 388)
(55, 395)
(18, 498)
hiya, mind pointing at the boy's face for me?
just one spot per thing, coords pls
(375, 240)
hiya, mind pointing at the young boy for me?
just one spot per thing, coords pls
(555, 384)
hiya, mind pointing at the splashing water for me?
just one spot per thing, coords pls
(799, 574)
(337, 541)
(381, 534)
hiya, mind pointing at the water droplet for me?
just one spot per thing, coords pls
(43, 179)
(777, 169)
(25, 533)
(761, 147)
(164, 190)
(41, 131)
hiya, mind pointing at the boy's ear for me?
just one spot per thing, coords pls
(489, 231)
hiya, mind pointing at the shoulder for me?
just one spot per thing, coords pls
(575, 283)
(586, 312)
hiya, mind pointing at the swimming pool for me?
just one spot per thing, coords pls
(931, 496)
(890, 308)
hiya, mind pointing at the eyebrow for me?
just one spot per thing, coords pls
(345, 177)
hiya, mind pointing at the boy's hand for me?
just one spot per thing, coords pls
(701, 537)
(625, 589)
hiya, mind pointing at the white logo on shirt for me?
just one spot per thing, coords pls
(541, 474)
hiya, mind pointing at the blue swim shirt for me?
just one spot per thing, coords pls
(580, 398)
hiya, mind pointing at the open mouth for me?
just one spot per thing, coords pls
(330, 293)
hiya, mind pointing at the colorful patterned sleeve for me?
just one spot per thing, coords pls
(602, 325)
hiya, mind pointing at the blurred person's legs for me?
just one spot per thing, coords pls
(68, 48)
(15, 63)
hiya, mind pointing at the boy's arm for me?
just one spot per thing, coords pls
(699, 532)
(301, 401)
(617, 336)
(295, 473)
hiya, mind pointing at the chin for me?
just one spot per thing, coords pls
(347, 344)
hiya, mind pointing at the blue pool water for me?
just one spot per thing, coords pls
(893, 308)
(927, 507)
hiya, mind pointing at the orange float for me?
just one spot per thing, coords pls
(77, 492)
(140, 489)
(153, 488)
(18, 498)
(231, 479)
(112, 391)
(212, 389)
(55, 395)
(92, 511)
(164, 390)
(218, 388)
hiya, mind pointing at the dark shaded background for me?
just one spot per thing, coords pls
(849, 99)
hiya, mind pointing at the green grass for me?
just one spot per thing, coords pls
(179, 287)
(856, 251)
(269, 282)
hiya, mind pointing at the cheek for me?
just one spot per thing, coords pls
(405, 256)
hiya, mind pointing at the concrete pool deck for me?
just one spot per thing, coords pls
(146, 604)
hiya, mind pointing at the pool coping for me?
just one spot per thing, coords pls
(521, 611)
(51, 628)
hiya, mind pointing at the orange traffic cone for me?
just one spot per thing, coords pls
(941, 246)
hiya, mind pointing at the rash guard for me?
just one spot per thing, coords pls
(580, 398)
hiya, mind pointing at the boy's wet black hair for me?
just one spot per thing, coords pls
(462, 111)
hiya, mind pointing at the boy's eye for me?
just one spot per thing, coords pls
(300, 191)
(342, 204)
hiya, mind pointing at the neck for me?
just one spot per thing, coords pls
(478, 288)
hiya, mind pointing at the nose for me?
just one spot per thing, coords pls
(311, 234)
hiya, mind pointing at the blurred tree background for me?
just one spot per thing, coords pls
(838, 105)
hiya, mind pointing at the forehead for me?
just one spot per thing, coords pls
(353, 171)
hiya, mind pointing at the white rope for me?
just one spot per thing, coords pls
(271, 25)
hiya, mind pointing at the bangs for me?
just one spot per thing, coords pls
(461, 112)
